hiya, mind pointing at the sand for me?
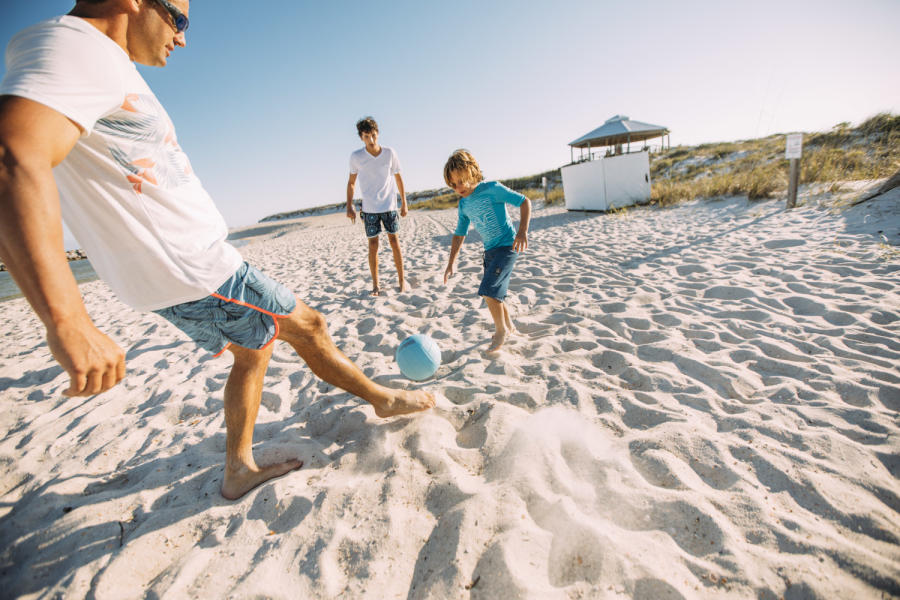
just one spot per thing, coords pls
(700, 402)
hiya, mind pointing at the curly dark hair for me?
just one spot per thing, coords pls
(366, 125)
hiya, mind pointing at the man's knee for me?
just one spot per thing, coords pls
(392, 238)
(249, 358)
(373, 244)
(304, 321)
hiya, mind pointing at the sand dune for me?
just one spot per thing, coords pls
(700, 402)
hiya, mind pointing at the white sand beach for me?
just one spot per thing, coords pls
(700, 402)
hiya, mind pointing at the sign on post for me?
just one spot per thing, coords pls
(793, 148)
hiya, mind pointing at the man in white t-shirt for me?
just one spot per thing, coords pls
(82, 137)
(377, 168)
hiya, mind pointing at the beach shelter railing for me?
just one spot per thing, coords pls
(615, 132)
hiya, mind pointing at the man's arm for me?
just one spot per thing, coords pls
(455, 245)
(521, 241)
(403, 208)
(351, 185)
(33, 140)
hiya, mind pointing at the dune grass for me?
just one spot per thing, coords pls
(447, 200)
(554, 196)
(757, 168)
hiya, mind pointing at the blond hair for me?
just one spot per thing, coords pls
(462, 161)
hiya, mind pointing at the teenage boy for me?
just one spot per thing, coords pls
(73, 105)
(377, 168)
(483, 204)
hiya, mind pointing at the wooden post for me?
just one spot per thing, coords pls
(544, 183)
(793, 149)
(792, 183)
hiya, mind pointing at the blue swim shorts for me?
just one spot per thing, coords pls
(243, 311)
(498, 266)
(373, 221)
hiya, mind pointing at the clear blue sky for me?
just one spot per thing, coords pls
(266, 94)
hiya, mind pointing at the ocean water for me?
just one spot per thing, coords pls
(80, 268)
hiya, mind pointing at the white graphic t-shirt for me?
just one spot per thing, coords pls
(127, 190)
(375, 176)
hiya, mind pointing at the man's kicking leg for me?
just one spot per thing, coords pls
(306, 330)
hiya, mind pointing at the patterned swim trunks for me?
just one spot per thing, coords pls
(373, 221)
(243, 311)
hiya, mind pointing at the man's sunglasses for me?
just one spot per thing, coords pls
(179, 18)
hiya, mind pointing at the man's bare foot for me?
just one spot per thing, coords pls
(402, 402)
(497, 341)
(240, 481)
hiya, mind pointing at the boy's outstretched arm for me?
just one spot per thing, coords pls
(521, 241)
(455, 245)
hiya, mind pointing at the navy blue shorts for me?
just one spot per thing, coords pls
(243, 311)
(498, 266)
(373, 221)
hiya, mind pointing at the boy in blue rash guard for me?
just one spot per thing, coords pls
(483, 204)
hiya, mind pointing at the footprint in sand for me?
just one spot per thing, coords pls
(685, 270)
(783, 243)
(728, 292)
(804, 306)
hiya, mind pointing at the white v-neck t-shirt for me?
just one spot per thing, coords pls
(375, 177)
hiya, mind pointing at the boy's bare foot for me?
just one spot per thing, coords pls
(402, 285)
(376, 291)
(241, 480)
(497, 341)
(403, 402)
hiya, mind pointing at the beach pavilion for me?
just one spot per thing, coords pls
(617, 176)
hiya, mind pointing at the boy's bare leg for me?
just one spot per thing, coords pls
(373, 264)
(243, 392)
(305, 329)
(497, 311)
(398, 259)
(510, 329)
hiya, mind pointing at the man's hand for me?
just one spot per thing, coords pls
(521, 242)
(403, 208)
(351, 214)
(93, 361)
(448, 273)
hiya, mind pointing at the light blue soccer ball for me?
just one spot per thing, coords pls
(418, 357)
